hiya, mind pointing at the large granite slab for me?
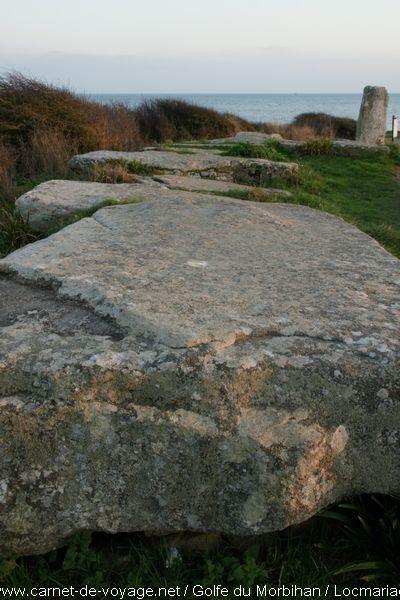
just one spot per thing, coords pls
(200, 164)
(199, 364)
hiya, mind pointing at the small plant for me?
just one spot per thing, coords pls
(318, 147)
(14, 230)
(394, 150)
(309, 180)
(119, 171)
(372, 525)
(268, 151)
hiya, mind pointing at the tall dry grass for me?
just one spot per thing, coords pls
(7, 168)
(44, 125)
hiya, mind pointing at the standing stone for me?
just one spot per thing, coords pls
(372, 120)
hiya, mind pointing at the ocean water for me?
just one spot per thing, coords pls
(275, 108)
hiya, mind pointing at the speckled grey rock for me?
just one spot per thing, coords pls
(256, 137)
(53, 204)
(50, 204)
(371, 125)
(340, 147)
(200, 164)
(200, 184)
(195, 365)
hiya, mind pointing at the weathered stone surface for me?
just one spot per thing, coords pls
(256, 137)
(340, 147)
(47, 205)
(371, 125)
(200, 164)
(50, 205)
(201, 184)
(195, 365)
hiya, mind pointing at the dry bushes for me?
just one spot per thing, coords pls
(45, 125)
(327, 126)
(163, 120)
(7, 168)
(289, 132)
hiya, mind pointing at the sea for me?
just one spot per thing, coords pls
(274, 108)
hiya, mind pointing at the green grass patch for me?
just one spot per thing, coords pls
(268, 150)
(362, 190)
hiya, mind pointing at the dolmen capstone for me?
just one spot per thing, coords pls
(198, 364)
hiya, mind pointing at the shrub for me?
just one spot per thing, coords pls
(268, 150)
(14, 230)
(46, 124)
(119, 171)
(327, 125)
(289, 132)
(317, 147)
(174, 120)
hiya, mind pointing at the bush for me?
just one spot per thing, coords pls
(289, 132)
(45, 125)
(268, 151)
(318, 147)
(163, 120)
(327, 125)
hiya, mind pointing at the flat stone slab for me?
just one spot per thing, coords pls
(47, 206)
(55, 204)
(341, 147)
(200, 164)
(201, 184)
(256, 137)
(200, 364)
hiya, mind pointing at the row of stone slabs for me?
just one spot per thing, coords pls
(52, 204)
(197, 364)
(48, 205)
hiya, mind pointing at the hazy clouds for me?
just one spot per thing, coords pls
(209, 46)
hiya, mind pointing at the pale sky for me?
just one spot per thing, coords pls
(204, 45)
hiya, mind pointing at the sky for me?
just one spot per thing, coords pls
(204, 46)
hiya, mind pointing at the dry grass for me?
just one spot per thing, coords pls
(7, 169)
(117, 172)
(44, 125)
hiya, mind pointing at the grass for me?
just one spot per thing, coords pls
(352, 544)
(268, 151)
(362, 190)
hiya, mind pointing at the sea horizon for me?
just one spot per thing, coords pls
(271, 107)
